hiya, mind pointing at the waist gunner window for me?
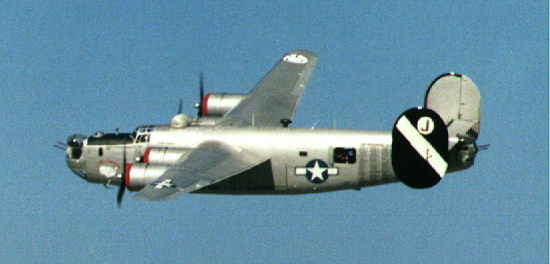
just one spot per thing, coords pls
(345, 155)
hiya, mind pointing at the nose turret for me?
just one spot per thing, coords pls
(74, 146)
(75, 143)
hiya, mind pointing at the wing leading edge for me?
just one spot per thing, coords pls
(276, 96)
(209, 163)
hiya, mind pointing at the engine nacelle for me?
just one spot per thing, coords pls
(139, 175)
(216, 105)
(163, 156)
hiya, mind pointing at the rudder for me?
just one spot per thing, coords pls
(419, 148)
(456, 98)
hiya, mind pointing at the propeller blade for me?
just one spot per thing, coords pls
(201, 94)
(120, 195)
(180, 106)
(122, 187)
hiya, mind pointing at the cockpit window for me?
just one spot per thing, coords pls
(142, 139)
(144, 129)
(142, 134)
(110, 139)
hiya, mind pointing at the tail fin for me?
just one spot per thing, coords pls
(440, 137)
(456, 99)
(420, 148)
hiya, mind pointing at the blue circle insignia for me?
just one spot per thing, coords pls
(317, 171)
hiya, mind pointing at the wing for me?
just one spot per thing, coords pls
(209, 163)
(276, 96)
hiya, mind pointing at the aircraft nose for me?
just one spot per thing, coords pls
(75, 140)
(73, 154)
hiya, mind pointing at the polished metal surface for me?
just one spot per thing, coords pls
(243, 144)
(217, 105)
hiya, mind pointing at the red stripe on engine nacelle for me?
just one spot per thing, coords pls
(205, 104)
(146, 155)
(127, 174)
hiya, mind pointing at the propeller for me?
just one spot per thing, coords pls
(122, 187)
(201, 94)
(180, 106)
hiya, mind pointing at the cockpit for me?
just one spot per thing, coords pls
(110, 139)
(99, 157)
(142, 134)
(77, 143)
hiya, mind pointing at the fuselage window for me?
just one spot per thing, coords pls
(345, 155)
(142, 138)
(100, 152)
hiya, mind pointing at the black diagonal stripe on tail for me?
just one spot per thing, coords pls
(420, 148)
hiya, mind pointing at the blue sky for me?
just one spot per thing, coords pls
(81, 66)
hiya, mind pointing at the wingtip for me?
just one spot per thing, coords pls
(304, 52)
(300, 57)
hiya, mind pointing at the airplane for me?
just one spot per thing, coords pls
(245, 144)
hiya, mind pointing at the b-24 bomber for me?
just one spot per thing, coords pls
(245, 144)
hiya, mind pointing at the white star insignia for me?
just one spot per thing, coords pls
(164, 184)
(317, 172)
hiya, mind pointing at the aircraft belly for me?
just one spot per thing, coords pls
(258, 180)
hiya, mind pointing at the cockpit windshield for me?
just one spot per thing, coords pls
(142, 134)
(110, 139)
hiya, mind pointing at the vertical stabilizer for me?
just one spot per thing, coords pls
(420, 148)
(456, 99)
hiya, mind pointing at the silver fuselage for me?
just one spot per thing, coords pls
(286, 152)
